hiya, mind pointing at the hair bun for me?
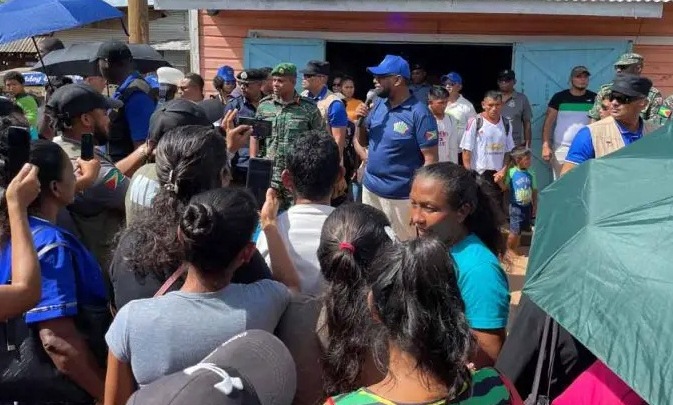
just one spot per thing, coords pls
(197, 222)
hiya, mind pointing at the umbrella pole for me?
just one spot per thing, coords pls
(39, 55)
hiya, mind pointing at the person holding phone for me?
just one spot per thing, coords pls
(97, 214)
(24, 291)
(71, 279)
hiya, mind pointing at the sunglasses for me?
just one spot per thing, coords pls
(336, 84)
(623, 98)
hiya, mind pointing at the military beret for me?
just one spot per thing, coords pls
(285, 69)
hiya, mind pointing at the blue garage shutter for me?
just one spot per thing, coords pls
(543, 68)
(260, 52)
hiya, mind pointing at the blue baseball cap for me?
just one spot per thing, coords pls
(452, 77)
(226, 73)
(391, 65)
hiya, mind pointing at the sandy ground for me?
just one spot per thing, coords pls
(516, 274)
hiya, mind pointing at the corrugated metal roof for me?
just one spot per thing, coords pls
(21, 46)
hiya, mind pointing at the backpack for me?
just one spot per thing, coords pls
(479, 121)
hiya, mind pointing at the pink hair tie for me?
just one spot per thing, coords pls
(347, 246)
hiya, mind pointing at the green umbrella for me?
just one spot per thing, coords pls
(601, 261)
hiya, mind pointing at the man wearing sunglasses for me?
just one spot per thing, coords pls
(631, 63)
(402, 136)
(628, 98)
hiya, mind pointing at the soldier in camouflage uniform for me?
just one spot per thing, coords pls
(665, 111)
(290, 115)
(630, 63)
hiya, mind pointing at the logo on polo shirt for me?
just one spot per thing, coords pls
(401, 127)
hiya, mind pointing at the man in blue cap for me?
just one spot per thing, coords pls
(402, 136)
(458, 107)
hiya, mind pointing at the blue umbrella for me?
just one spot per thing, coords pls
(27, 18)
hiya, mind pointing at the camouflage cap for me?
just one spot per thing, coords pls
(285, 69)
(629, 59)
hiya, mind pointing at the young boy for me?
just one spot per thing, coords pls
(522, 186)
(14, 83)
(447, 128)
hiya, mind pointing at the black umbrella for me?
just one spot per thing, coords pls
(76, 60)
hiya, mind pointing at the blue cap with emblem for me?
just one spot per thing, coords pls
(391, 65)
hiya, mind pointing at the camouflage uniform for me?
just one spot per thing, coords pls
(654, 98)
(289, 121)
(664, 112)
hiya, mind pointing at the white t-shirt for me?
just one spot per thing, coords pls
(449, 139)
(462, 110)
(300, 227)
(489, 146)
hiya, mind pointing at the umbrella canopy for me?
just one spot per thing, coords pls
(27, 18)
(601, 261)
(76, 60)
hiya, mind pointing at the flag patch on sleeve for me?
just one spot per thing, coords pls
(113, 179)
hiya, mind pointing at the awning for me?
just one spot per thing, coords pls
(605, 8)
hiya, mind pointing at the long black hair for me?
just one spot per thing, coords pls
(46, 155)
(216, 226)
(351, 236)
(418, 307)
(189, 160)
(461, 187)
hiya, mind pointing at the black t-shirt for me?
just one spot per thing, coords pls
(518, 356)
(128, 286)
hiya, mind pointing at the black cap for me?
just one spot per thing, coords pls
(253, 368)
(316, 67)
(507, 74)
(8, 107)
(73, 100)
(176, 113)
(631, 85)
(113, 51)
(417, 66)
(251, 75)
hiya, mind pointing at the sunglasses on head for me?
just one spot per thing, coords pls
(623, 98)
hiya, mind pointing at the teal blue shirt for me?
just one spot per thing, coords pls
(483, 284)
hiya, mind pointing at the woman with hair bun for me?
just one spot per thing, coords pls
(150, 338)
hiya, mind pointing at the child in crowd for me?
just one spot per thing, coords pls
(449, 137)
(522, 186)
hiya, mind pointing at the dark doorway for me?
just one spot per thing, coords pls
(477, 64)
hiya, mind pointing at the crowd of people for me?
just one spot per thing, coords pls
(371, 275)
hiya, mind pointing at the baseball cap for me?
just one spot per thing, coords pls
(391, 65)
(8, 107)
(631, 85)
(578, 70)
(507, 74)
(253, 368)
(113, 51)
(629, 59)
(452, 77)
(73, 100)
(226, 73)
(316, 67)
(417, 66)
(176, 113)
(169, 75)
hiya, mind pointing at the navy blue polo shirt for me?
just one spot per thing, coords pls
(582, 148)
(396, 137)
